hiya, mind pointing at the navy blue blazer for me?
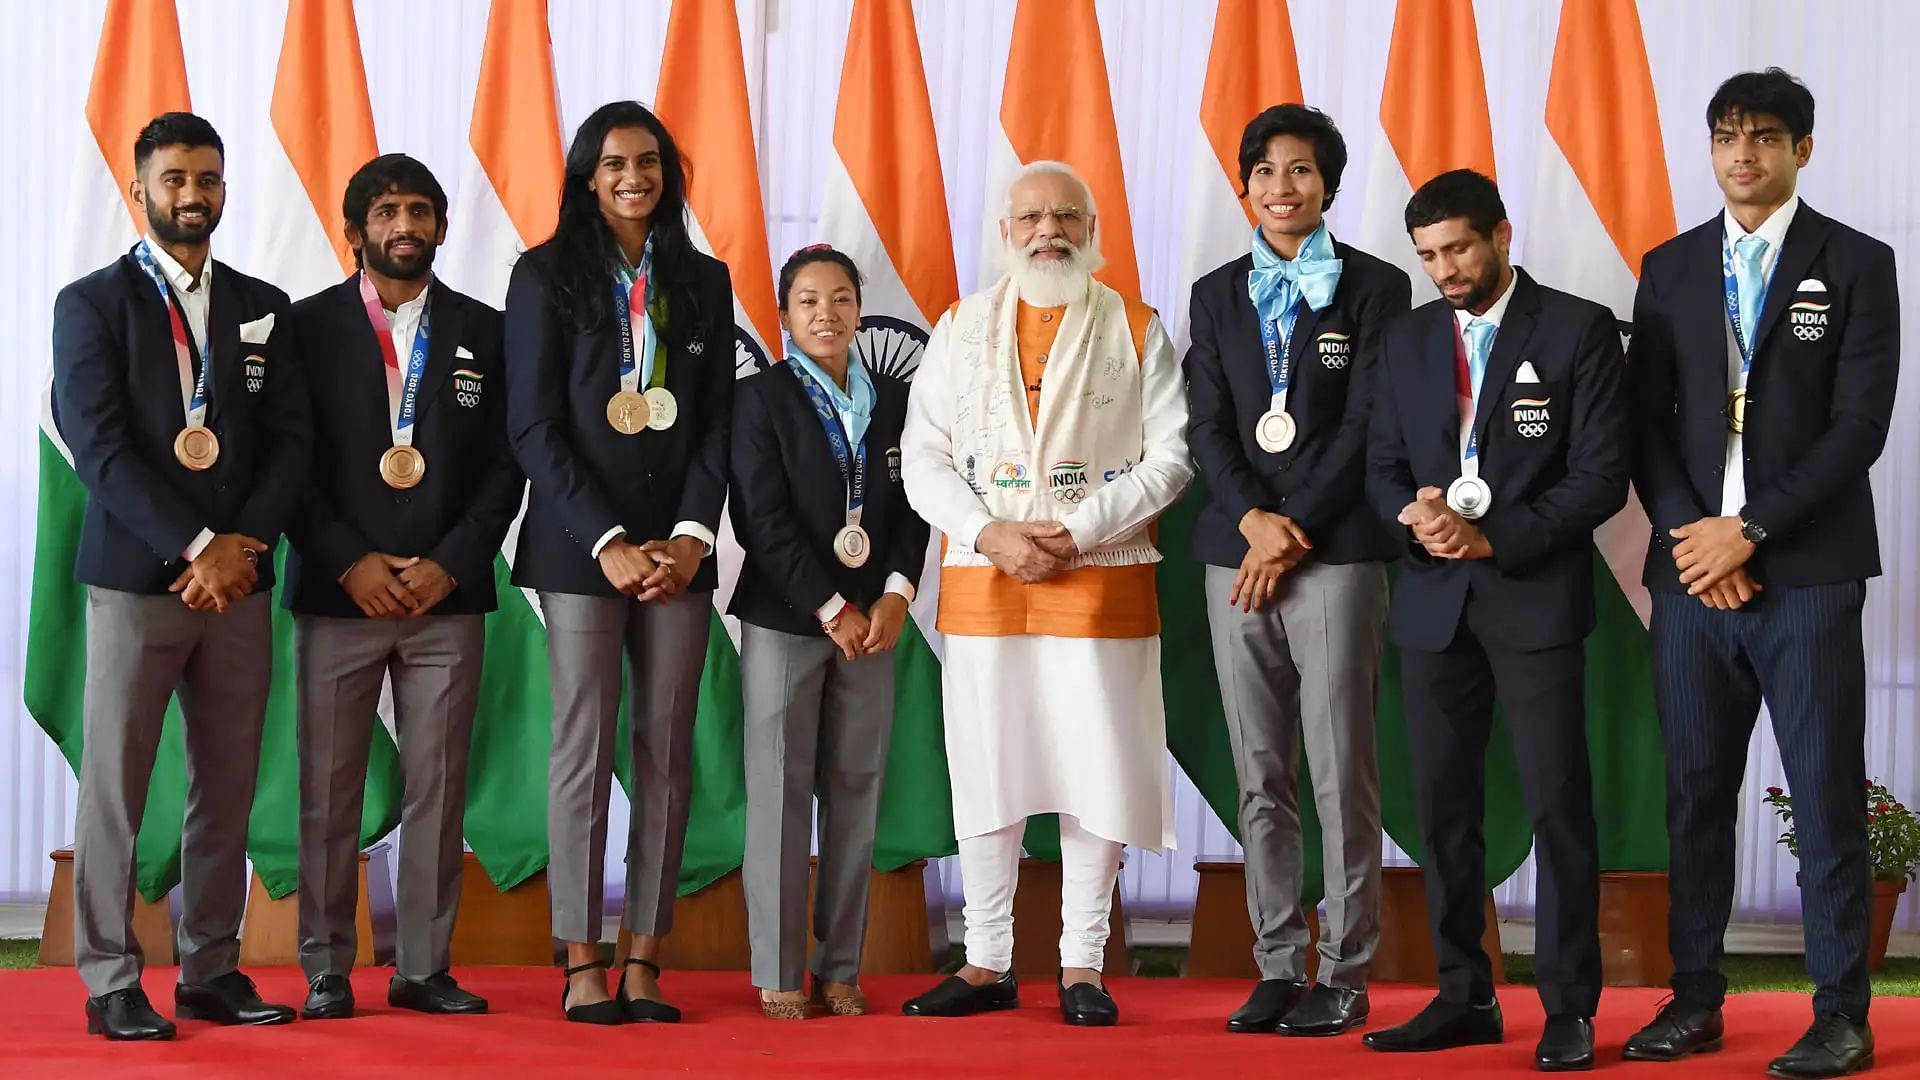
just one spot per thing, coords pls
(116, 404)
(459, 512)
(1819, 398)
(1553, 451)
(588, 478)
(788, 503)
(1319, 480)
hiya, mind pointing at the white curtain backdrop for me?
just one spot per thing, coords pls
(422, 59)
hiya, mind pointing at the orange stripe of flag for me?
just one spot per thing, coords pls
(1058, 106)
(139, 72)
(1601, 113)
(703, 99)
(516, 117)
(320, 107)
(1251, 66)
(1434, 104)
(883, 131)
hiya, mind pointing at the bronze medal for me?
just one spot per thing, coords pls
(628, 412)
(197, 448)
(402, 467)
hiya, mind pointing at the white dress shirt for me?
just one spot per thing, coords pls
(1733, 487)
(194, 297)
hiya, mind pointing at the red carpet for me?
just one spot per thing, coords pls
(1169, 1027)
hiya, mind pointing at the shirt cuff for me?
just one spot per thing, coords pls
(977, 523)
(199, 544)
(831, 608)
(698, 532)
(898, 583)
(601, 544)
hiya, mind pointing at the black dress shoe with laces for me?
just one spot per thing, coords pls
(1270, 1000)
(1678, 1029)
(955, 996)
(126, 1016)
(1088, 1005)
(437, 994)
(1442, 1025)
(329, 997)
(1327, 1010)
(1835, 1045)
(229, 999)
(1566, 1045)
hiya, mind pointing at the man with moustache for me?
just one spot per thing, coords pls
(1498, 444)
(412, 488)
(1045, 432)
(170, 393)
(1766, 351)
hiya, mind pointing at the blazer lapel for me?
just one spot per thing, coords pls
(223, 334)
(1508, 347)
(1705, 339)
(1805, 237)
(1436, 394)
(443, 338)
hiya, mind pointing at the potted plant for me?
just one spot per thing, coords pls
(1893, 847)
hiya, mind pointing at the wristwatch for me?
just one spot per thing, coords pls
(1751, 529)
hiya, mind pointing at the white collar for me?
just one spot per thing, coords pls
(176, 274)
(412, 308)
(1495, 313)
(1773, 230)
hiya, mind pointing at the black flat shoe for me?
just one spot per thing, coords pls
(126, 1016)
(644, 1010)
(1678, 1029)
(1270, 1000)
(1835, 1045)
(1566, 1045)
(1442, 1025)
(437, 994)
(1327, 1010)
(329, 997)
(955, 996)
(229, 999)
(605, 1013)
(1088, 1005)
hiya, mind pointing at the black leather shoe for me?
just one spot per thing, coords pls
(1442, 1025)
(644, 1010)
(1834, 1046)
(126, 1016)
(603, 1013)
(1327, 1010)
(229, 999)
(1270, 1000)
(1566, 1045)
(435, 994)
(1678, 1029)
(955, 996)
(329, 997)
(1088, 1005)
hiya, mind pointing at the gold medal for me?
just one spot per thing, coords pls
(663, 410)
(197, 448)
(402, 467)
(628, 412)
(1737, 412)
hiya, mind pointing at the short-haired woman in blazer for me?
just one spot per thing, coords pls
(619, 339)
(833, 553)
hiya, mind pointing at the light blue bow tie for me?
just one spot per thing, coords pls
(1274, 283)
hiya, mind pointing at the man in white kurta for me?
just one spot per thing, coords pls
(1046, 432)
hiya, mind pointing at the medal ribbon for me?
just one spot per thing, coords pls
(852, 473)
(194, 363)
(403, 391)
(633, 289)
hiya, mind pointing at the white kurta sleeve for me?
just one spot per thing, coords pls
(1136, 497)
(935, 489)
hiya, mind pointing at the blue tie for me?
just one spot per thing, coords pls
(1479, 334)
(1748, 254)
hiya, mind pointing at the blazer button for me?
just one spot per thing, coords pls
(1285, 465)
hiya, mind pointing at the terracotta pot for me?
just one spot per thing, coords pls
(1886, 899)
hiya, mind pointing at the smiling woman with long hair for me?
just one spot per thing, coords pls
(619, 344)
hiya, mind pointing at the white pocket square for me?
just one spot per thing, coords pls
(257, 331)
(1812, 284)
(1526, 374)
(462, 353)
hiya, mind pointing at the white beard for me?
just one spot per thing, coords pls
(1051, 282)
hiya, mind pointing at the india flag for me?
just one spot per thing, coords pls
(886, 207)
(1058, 106)
(1601, 201)
(139, 72)
(322, 122)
